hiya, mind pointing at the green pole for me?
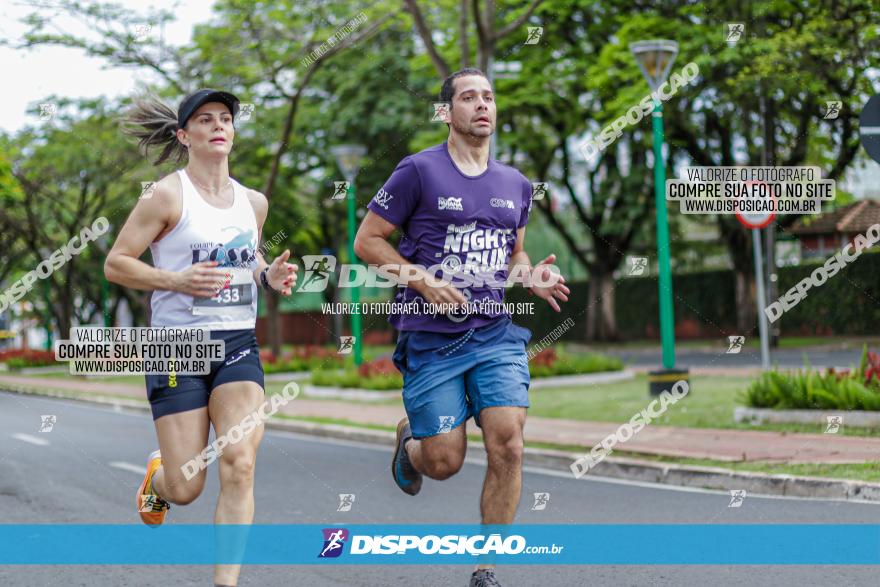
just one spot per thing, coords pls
(355, 292)
(667, 332)
(105, 301)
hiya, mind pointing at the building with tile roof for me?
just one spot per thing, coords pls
(823, 235)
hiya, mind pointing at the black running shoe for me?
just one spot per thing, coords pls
(484, 578)
(405, 475)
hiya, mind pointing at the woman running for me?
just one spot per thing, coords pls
(203, 230)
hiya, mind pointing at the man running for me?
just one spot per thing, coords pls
(458, 209)
(202, 228)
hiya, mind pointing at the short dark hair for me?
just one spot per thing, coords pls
(448, 89)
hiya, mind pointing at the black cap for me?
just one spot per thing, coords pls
(195, 100)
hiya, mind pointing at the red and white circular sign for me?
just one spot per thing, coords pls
(756, 219)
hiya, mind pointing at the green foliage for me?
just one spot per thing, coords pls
(576, 364)
(845, 304)
(296, 364)
(351, 378)
(811, 390)
(72, 169)
(705, 304)
(858, 389)
(576, 80)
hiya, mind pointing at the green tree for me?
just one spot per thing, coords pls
(278, 48)
(761, 101)
(73, 168)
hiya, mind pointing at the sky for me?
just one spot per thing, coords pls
(30, 75)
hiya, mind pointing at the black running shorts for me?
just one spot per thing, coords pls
(190, 392)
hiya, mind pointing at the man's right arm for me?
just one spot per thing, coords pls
(371, 244)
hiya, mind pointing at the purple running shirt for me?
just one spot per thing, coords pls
(462, 226)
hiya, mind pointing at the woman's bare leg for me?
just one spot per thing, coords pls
(228, 407)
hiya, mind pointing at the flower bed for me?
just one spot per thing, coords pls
(381, 374)
(302, 358)
(550, 363)
(22, 358)
(857, 389)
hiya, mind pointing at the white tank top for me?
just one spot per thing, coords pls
(205, 233)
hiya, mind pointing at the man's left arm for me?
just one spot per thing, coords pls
(540, 280)
(520, 265)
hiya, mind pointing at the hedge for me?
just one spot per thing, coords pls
(705, 304)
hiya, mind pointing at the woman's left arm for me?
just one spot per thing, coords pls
(281, 275)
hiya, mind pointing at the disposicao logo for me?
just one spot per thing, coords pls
(334, 541)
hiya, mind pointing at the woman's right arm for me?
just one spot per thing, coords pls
(151, 217)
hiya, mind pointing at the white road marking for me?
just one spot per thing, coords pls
(129, 467)
(31, 439)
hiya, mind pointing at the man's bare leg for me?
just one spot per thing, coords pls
(441, 456)
(503, 438)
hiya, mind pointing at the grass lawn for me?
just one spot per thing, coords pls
(861, 471)
(709, 404)
(711, 400)
(787, 342)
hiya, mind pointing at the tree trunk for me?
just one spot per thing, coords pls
(592, 329)
(746, 317)
(273, 322)
(608, 325)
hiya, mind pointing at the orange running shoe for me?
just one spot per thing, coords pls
(151, 507)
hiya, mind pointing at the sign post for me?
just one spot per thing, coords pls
(755, 222)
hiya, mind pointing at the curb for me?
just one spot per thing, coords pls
(355, 393)
(851, 417)
(560, 461)
(718, 478)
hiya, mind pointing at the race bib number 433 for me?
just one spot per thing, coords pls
(236, 297)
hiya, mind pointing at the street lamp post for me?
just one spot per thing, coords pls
(655, 59)
(45, 252)
(348, 157)
(105, 285)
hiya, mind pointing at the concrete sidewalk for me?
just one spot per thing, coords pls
(702, 443)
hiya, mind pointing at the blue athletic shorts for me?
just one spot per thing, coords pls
(447, 378)
(190, 392)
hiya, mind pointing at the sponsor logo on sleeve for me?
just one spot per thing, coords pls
(382, 198)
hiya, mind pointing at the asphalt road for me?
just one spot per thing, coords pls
(87, 469)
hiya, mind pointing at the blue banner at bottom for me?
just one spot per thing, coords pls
(355, 544)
